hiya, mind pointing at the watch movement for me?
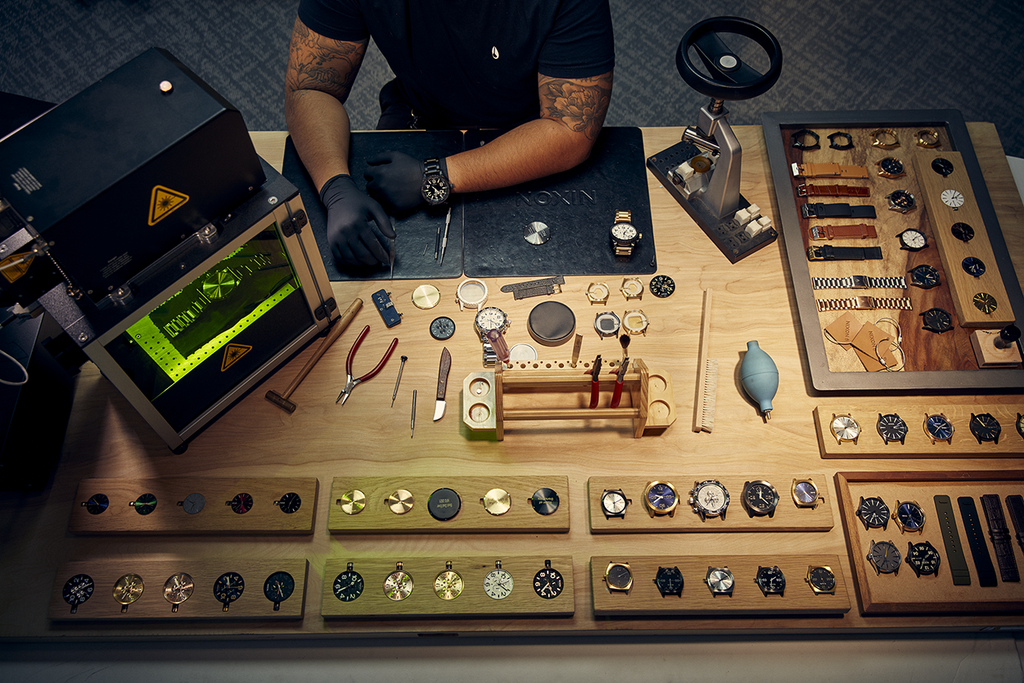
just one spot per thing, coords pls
(614, 503)
(669, 581)
(844, 428)
(228, 587)
(660, 498)
(548, 582)
(891, 427)
(985, 427)
(498, 583)
(709, 498)
(771, 581)
(348, 585)
(760, 498)
(938, 428)
(923, 558)
(873, 512)
(821, 579)
(448, 584)
(399, 584)
(720, 581)
(127, 590)
(885, 557)
(909, 517)
(618, 577)
(278, 587)
(77, 590)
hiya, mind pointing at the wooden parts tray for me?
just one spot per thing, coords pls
(473, 601)
(201, 604)
(787, 517)
(905, 592)
(126, 507)
(376, 516)
(644, 598)
(917, 443)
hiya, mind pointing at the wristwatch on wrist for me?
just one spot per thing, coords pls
(436, 188)
(624, 235)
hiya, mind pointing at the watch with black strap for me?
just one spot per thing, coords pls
(951, 539)
(1000, 537)
(827, 252)
(1015, 508)
(976, 541)
(819, 210)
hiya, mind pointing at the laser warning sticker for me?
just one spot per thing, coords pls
(13, 267)
(232, 354)
(163, 201)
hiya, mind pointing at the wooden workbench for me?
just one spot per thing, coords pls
(368, 438)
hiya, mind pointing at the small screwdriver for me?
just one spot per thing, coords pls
(399, 380)
(412, 424)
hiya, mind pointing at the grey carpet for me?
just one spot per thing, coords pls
(848, 54)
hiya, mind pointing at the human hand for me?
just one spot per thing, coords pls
(395, 179)
(357, 226)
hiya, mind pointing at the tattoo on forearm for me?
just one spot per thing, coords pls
(318, 63)
(580, 104)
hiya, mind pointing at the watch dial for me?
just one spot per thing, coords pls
(497, 502)
(128, 589)
(669, 581)
(544, 501)
(805, 492)
(891, 427)
(923, 558)
(289, 503)
(442, 328)
(178, 588)
(435, 189)
(890, 167)
(662, 286)
(938, 428)
(145, 503)
(624, 232)
(952, 198)
(97, 504)
(548, 583)
(712, 497)
(902, 201)
(885, 557)
(962, 232)
(661, 497)
(498, 584)
(943, 167)
(910, 516)
(913, 240)
(348, 585)
(873, 512)
(77, 590)
(448, 585)
(241, 503)
(924, 276)
(822, 579)
(613, 503)
(770, 580)
(973, 266)
(937, 320)
(720, 580)
(985, 302)
(985, 427)
(228, 587)
(619, 577)
(1020, 424)
(278, 587)
(760, 497)
(193, 503)
(845, 428)
(398, 586)
(491, 318)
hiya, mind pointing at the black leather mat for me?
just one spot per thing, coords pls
(417, 232)
(578, 206)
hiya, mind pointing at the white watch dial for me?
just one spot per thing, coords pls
(624, 232)
(952, 199)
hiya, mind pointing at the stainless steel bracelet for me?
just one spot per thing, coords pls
(859, 282)
(864, 303)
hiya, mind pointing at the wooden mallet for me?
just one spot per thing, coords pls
(281, 400)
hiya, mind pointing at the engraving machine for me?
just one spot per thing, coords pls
(139, 216)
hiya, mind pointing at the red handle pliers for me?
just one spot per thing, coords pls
(351, 382)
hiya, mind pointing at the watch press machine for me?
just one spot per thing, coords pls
(702, 171)
(138, 215)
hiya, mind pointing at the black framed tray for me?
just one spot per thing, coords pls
(941, 363)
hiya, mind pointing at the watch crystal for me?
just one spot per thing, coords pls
(913, 240)
(613, 503)
(624, 232)
(760, 497)
(938, 428)
(228, 588)
(661, 497)
(973, 266)
(924, 276)
(619, 577)
(398, 585)
(719, 580)
(985, 302)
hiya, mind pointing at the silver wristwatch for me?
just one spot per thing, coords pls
(859, 282)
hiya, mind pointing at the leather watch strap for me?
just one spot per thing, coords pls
(976, 541)
(829, 170)
(859, 282)
(827, 252)
(865, 303)
(821, 210)
(842, 232)
(951, 539)
(1015, 508)
(1000, 537)
(832, 191)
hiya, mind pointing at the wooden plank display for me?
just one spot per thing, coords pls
(195, 505)
(917, 443)
(260, 579)
(644, 598)
(961, 358)
(473, 600)
(904, 592)
(491, 505)
(788, 516)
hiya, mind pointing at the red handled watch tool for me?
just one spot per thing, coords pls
(595, 381)
(619, 376)
(351, 382)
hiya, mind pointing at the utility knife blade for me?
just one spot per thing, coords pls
(442, 383)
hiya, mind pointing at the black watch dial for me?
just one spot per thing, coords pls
(873, 512)
(822, 580)
(662, 286)
(943, 167)
(890, 167)
(924, 276)
(892, 427)
(544, 501)
(548, 583)
(923, 558)
(973, 266)
(771, 580)
(669, 581)
(901, 201)
(348, 585)
(436, 189)
(278, 587)
(193, 503)
(96, 504)
(985, 427)
(442, 328)
(77, 590)
(962, 232)
(985, 302)
(937, 320)
(144, 504)
(289, 503)
(760, 498)
(910, 516)
(885, 557)
(1020, 424)
(241, 503)
(228, 587)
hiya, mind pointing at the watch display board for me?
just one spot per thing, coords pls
(195, 505)
(901, 510)
(648, 593)
(915, 200)
(978, 431)
(416, 230)
(440, 505)
(617, 504)
(170, 590)
(577, 208)
(443, 586)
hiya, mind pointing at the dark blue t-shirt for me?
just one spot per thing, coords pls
(474, 63)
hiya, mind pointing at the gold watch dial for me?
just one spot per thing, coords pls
(128, 589)
(497, 502)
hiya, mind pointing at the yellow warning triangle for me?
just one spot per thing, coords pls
(13, 267)
(163, 201)
(232, 354)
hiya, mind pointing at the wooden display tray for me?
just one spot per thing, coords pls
(216, 517)
(934, 362)
(788, 517)
(472, 518)
(202, 604)
(644, 598)
(918, 444)
(905, 592)
(472, 602)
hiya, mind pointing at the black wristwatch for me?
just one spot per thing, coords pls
(436, 188)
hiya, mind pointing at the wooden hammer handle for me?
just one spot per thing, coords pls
(332, 337)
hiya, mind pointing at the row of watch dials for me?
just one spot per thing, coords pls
(448, 584)
(937, 427)
(193, 504)
(710, 498)
(444, 504)
(178, 588)
(619, 578)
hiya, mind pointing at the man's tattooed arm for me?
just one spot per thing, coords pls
(319, 63)
(580, 104)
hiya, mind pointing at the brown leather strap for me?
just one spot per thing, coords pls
(842, 232)
(829, 170)
(832, 191)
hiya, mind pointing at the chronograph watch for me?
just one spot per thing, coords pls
(661, 498)
(709, 498)
(760, 498)
(624, 235)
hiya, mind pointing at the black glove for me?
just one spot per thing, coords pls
(395, 179)
(357, 227)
